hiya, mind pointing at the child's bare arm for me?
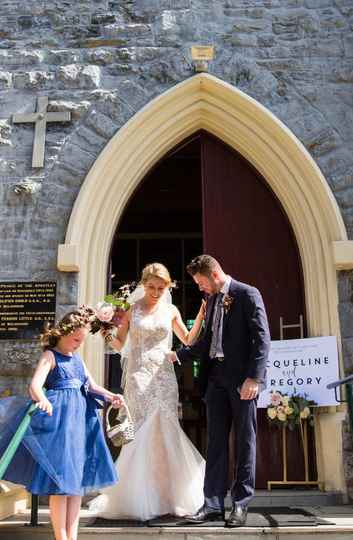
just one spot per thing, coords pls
(116, 399)
(45, 364)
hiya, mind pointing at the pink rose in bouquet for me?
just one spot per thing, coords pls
(110, 314)
(105, 312)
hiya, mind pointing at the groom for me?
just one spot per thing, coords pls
(233, 350)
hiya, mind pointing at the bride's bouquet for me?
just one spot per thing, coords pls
(110, 313)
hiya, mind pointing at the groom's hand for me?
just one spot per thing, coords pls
(249, 389)
(172, 357)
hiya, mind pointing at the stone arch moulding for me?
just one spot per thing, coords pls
(206, 102)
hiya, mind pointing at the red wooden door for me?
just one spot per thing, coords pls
(246, 229)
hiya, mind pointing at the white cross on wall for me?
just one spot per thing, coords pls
(40, 119)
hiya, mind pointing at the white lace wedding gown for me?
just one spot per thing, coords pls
(160, 472)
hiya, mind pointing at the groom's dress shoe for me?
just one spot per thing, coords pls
(237, 517)
(205, 514)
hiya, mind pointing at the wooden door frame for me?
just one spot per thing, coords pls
(205, 102)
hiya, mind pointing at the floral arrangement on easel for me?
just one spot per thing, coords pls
(289, 411)
(292, 412)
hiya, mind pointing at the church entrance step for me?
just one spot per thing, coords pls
(330, 522)
(245, 533)
(292, 497)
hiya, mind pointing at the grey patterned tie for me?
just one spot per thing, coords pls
(216, 327)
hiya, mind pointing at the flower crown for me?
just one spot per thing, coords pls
(82, 317)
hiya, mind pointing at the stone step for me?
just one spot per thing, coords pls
(291, 497)
(339, 527)
(204, 533)
(13, 499)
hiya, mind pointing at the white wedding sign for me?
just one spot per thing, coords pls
(302, 366)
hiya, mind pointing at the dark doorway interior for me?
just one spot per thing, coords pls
(163, 222)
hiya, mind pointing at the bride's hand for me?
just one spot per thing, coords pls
(106, 334)
(119, 319)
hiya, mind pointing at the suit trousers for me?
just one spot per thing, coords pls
(224, 407)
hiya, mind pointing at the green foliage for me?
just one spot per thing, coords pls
(117, 301)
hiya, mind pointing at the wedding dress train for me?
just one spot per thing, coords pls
(160, 472)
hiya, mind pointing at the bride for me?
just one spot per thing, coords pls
(160, 472)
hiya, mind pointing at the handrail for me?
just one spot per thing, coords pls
(16, 439)
(346, 380)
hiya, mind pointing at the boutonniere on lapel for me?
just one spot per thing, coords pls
(227, 302)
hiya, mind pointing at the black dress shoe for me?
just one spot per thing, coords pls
(237, 517)
(205, 514)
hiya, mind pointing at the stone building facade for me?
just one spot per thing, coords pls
(104, 61)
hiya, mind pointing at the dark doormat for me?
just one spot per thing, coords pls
(257, 517)
(284, 517)
(102, 522)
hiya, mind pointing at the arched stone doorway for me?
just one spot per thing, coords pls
(204, 197)
(205, 102)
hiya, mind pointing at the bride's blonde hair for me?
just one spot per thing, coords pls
(156, 270)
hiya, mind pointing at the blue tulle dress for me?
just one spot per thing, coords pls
(62, 454)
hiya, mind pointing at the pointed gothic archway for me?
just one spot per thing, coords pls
(205, 102)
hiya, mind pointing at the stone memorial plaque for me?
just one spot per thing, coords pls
(24, 308)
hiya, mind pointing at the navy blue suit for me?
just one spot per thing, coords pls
(246, 344)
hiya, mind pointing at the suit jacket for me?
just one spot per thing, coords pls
(245, 338)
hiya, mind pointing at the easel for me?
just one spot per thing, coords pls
(304, 433)
(299, 325)
(284, 481)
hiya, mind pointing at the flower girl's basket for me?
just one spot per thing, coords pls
(123, 432)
